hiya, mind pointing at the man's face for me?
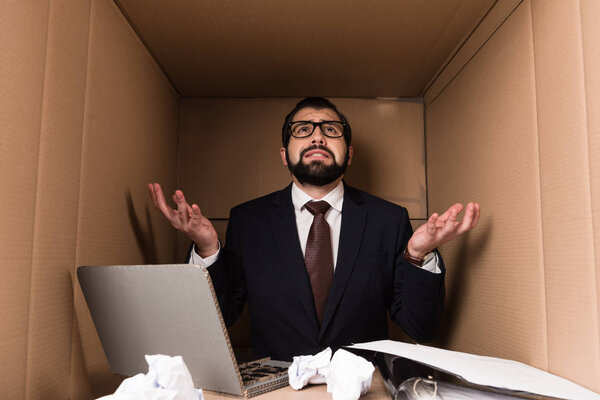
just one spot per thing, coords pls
(317, 160)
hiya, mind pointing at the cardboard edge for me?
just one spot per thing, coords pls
(463, 53)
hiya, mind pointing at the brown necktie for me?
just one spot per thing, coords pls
(318, 257)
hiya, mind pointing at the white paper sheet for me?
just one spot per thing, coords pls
(488, 371)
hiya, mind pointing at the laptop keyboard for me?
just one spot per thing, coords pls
(255, 372)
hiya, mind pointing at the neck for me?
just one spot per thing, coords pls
(317, 192)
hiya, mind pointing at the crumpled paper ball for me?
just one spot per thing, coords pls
(168, 378)
(309, 369)
(347, 375)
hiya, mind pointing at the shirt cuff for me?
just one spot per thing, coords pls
(204, 262)
(431, 263)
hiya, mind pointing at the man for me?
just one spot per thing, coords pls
(319, 262)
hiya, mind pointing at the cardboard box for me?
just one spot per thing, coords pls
(495, 102)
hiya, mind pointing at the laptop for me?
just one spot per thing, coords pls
(173, 310)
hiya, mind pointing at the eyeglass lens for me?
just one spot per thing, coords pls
(301, 129)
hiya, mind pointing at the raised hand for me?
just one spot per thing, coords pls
(187, 220)
(440, 229)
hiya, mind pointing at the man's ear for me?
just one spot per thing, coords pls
(350, 154)
(282, 151)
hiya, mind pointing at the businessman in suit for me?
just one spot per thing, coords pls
(321, 263)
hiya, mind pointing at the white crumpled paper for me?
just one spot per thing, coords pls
(348, 376)
(309, 369)
(168, 378)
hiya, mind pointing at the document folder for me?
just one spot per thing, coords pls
(397, 362)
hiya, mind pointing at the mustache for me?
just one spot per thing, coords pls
(317, 147)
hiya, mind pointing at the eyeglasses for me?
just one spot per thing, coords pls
(303, 129)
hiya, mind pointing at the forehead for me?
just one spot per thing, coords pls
(316, 115)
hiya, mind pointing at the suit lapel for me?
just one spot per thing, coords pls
(354, 218)
(283, 222)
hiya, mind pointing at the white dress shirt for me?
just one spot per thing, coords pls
(333, 216)
(304, 220)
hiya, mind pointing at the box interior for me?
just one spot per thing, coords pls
(492, 101)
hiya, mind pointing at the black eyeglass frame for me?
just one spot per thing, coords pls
(319, 124)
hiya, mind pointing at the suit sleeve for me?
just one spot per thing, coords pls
(227, 275)
(418, 295)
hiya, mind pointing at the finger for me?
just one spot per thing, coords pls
(432, 224)
(150, 188)
(196, 214)
(467, 220)
(160, 202)
(196, 211)
(457, 208)
(476, 216)
(454, 211)
(449, 228)
(183, 208)
(152, 194)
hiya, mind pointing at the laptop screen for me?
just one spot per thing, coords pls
(161, 309)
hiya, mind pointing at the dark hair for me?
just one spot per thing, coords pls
(317, 103)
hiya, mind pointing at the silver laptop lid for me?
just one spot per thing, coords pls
(161, 309)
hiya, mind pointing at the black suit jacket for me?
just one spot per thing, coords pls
(262, 263)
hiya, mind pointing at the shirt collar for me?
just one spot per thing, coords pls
(335, 198)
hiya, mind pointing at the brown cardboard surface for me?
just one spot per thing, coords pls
(130, 126)
(23, 29)
(333, 48)
(511, 122)
(130, 122)
(536, 98)
(570, 276)
(230, 150)
(482, 146)
(389, 153)
(377, 391)
(57, 193)
(590, 14)
(473, 42)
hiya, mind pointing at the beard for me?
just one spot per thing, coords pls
(316, 173)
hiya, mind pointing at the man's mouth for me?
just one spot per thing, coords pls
(317, 153)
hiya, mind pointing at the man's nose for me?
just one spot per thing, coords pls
(317, 136)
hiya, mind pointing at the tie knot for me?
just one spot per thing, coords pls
(317, 207)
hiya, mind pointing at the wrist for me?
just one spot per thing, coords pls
(416, 253)
(418, 261)
(206, 251)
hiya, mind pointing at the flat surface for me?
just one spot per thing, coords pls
(313, 392)
(212, 48)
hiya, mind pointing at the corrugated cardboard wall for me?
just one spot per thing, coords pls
(23, 27)
(56, 201)
(590, 12)
(230, 151)
(516, 130)
(87, 119)
(571, 291)
(91, 119)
